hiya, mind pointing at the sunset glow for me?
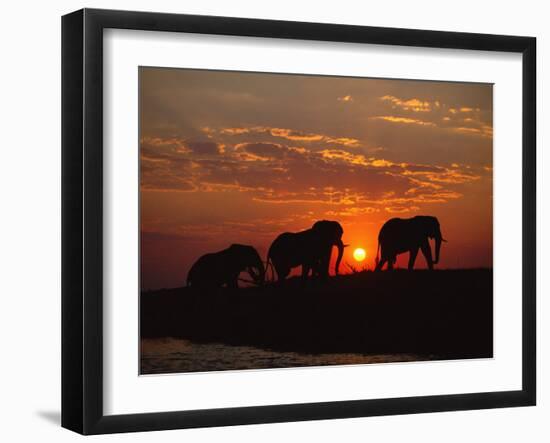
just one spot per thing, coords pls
(233, 157)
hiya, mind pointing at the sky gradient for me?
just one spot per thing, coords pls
(232, 157)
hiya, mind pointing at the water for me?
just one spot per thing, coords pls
(168, 355)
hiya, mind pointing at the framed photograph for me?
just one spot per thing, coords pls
(269, 221)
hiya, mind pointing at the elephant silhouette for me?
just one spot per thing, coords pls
(310, 249)
(221, 268)
(400, 235)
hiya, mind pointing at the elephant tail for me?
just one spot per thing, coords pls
(377, 258)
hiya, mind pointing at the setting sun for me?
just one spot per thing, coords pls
(359, 254)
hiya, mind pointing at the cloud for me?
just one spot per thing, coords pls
(463, 109)
(483, 131)
(289, 134)
(352, 212)
(444, 175)
(160, 144)
(283, 174)
(405, 120)
(233, 131)
(471, 125)
(345, 98)
(346, 141)
(344, 156)
(206, 148)
(172, 145)
(400, 209)
(477, 128)
(427, 197)
(261, 151)
(466, 130)
(413, 104)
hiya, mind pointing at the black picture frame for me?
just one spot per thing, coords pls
(82, 218)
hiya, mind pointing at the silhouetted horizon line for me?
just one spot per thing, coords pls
(370, 270)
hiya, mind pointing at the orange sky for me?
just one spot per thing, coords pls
(229, 157)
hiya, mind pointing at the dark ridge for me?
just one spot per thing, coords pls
(447, 313)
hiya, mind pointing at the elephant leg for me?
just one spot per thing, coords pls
(282, 273)
(390, 261)
(322, 263)
(427, 251)
(233, 282)
(315, 271)
(412, 258)
(305, 271)
(323, 271)
(380, 264)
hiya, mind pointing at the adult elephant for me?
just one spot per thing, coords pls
(310, 249)
(221, 268)
(400, 235)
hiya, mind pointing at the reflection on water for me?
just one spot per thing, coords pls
(168, 355)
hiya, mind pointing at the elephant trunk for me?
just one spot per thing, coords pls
(261, 277)
(340, 245)
(261, 272)
(438, 240)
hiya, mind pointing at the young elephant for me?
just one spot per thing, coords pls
(223, 268)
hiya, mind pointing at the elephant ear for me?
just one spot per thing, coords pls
(435, 227)
(339, 229)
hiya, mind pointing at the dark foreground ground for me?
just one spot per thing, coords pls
(448, 314)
